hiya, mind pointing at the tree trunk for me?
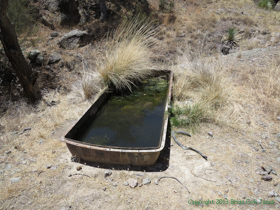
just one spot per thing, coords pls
(9, 40)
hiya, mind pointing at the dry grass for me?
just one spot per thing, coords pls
(127, 56)
(265, 88)
(201, 81)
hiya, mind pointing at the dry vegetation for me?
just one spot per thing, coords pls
(234, 98)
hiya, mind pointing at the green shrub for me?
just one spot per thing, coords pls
(231, 38)
(19, 12)
(266, 4)
(189, 116)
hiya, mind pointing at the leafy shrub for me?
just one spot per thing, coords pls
(19, 12)
(189, 116)
(266, 4)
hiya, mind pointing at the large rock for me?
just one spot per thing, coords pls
(277, 7)
(75, 38)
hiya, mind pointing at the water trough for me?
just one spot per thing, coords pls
(124, 129)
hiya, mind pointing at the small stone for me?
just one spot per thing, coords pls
(125, 183)
(274, 172)
(225, 196)
(138, 174)
(272, 194)
(263, 150)
(8, 152)
(107, 173)
(15, 180)
(79, 168)
(226, 191)
(41, 141)
(54, 34)
(272, 143)
(278, 199)
(262, 173)
(210, 134)
(132, 182)
(115, 184)
(48, 166)
(156, 181)
(24, 162)
(278, 118)
(267, 178)
(104, 189)
(8, 167)
(278, 136)
(146, 181)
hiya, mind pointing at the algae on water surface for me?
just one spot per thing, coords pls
(132, 120)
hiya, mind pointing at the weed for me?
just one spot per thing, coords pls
(231, 38)
(189, 116)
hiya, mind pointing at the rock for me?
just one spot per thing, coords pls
(156, 181)
(75, 38)
(278, 199)
(8, 166)
(8, 152)
(47, 21)
(278, 136)
(33, 54)
(225, 50)
(272, 194)
(54, 34)
(24, 162)
(54, 58)
(41, 141)
(40, 60)
(107, 173)
(48, 166)
(210, 134)
(115, 184)
(75, 159)
(278, 118)
(132, 182)
(15, 179)
(274, 172)
(79, 168)
(125, 183)
(262, 173)
(267, 178)
(146, 181)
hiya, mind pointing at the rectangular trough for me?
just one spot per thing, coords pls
(123, 152)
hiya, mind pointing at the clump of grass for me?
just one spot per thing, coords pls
(88, 85)
(266, 4)
(202, 81)
(189, 116)
(127, 56)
